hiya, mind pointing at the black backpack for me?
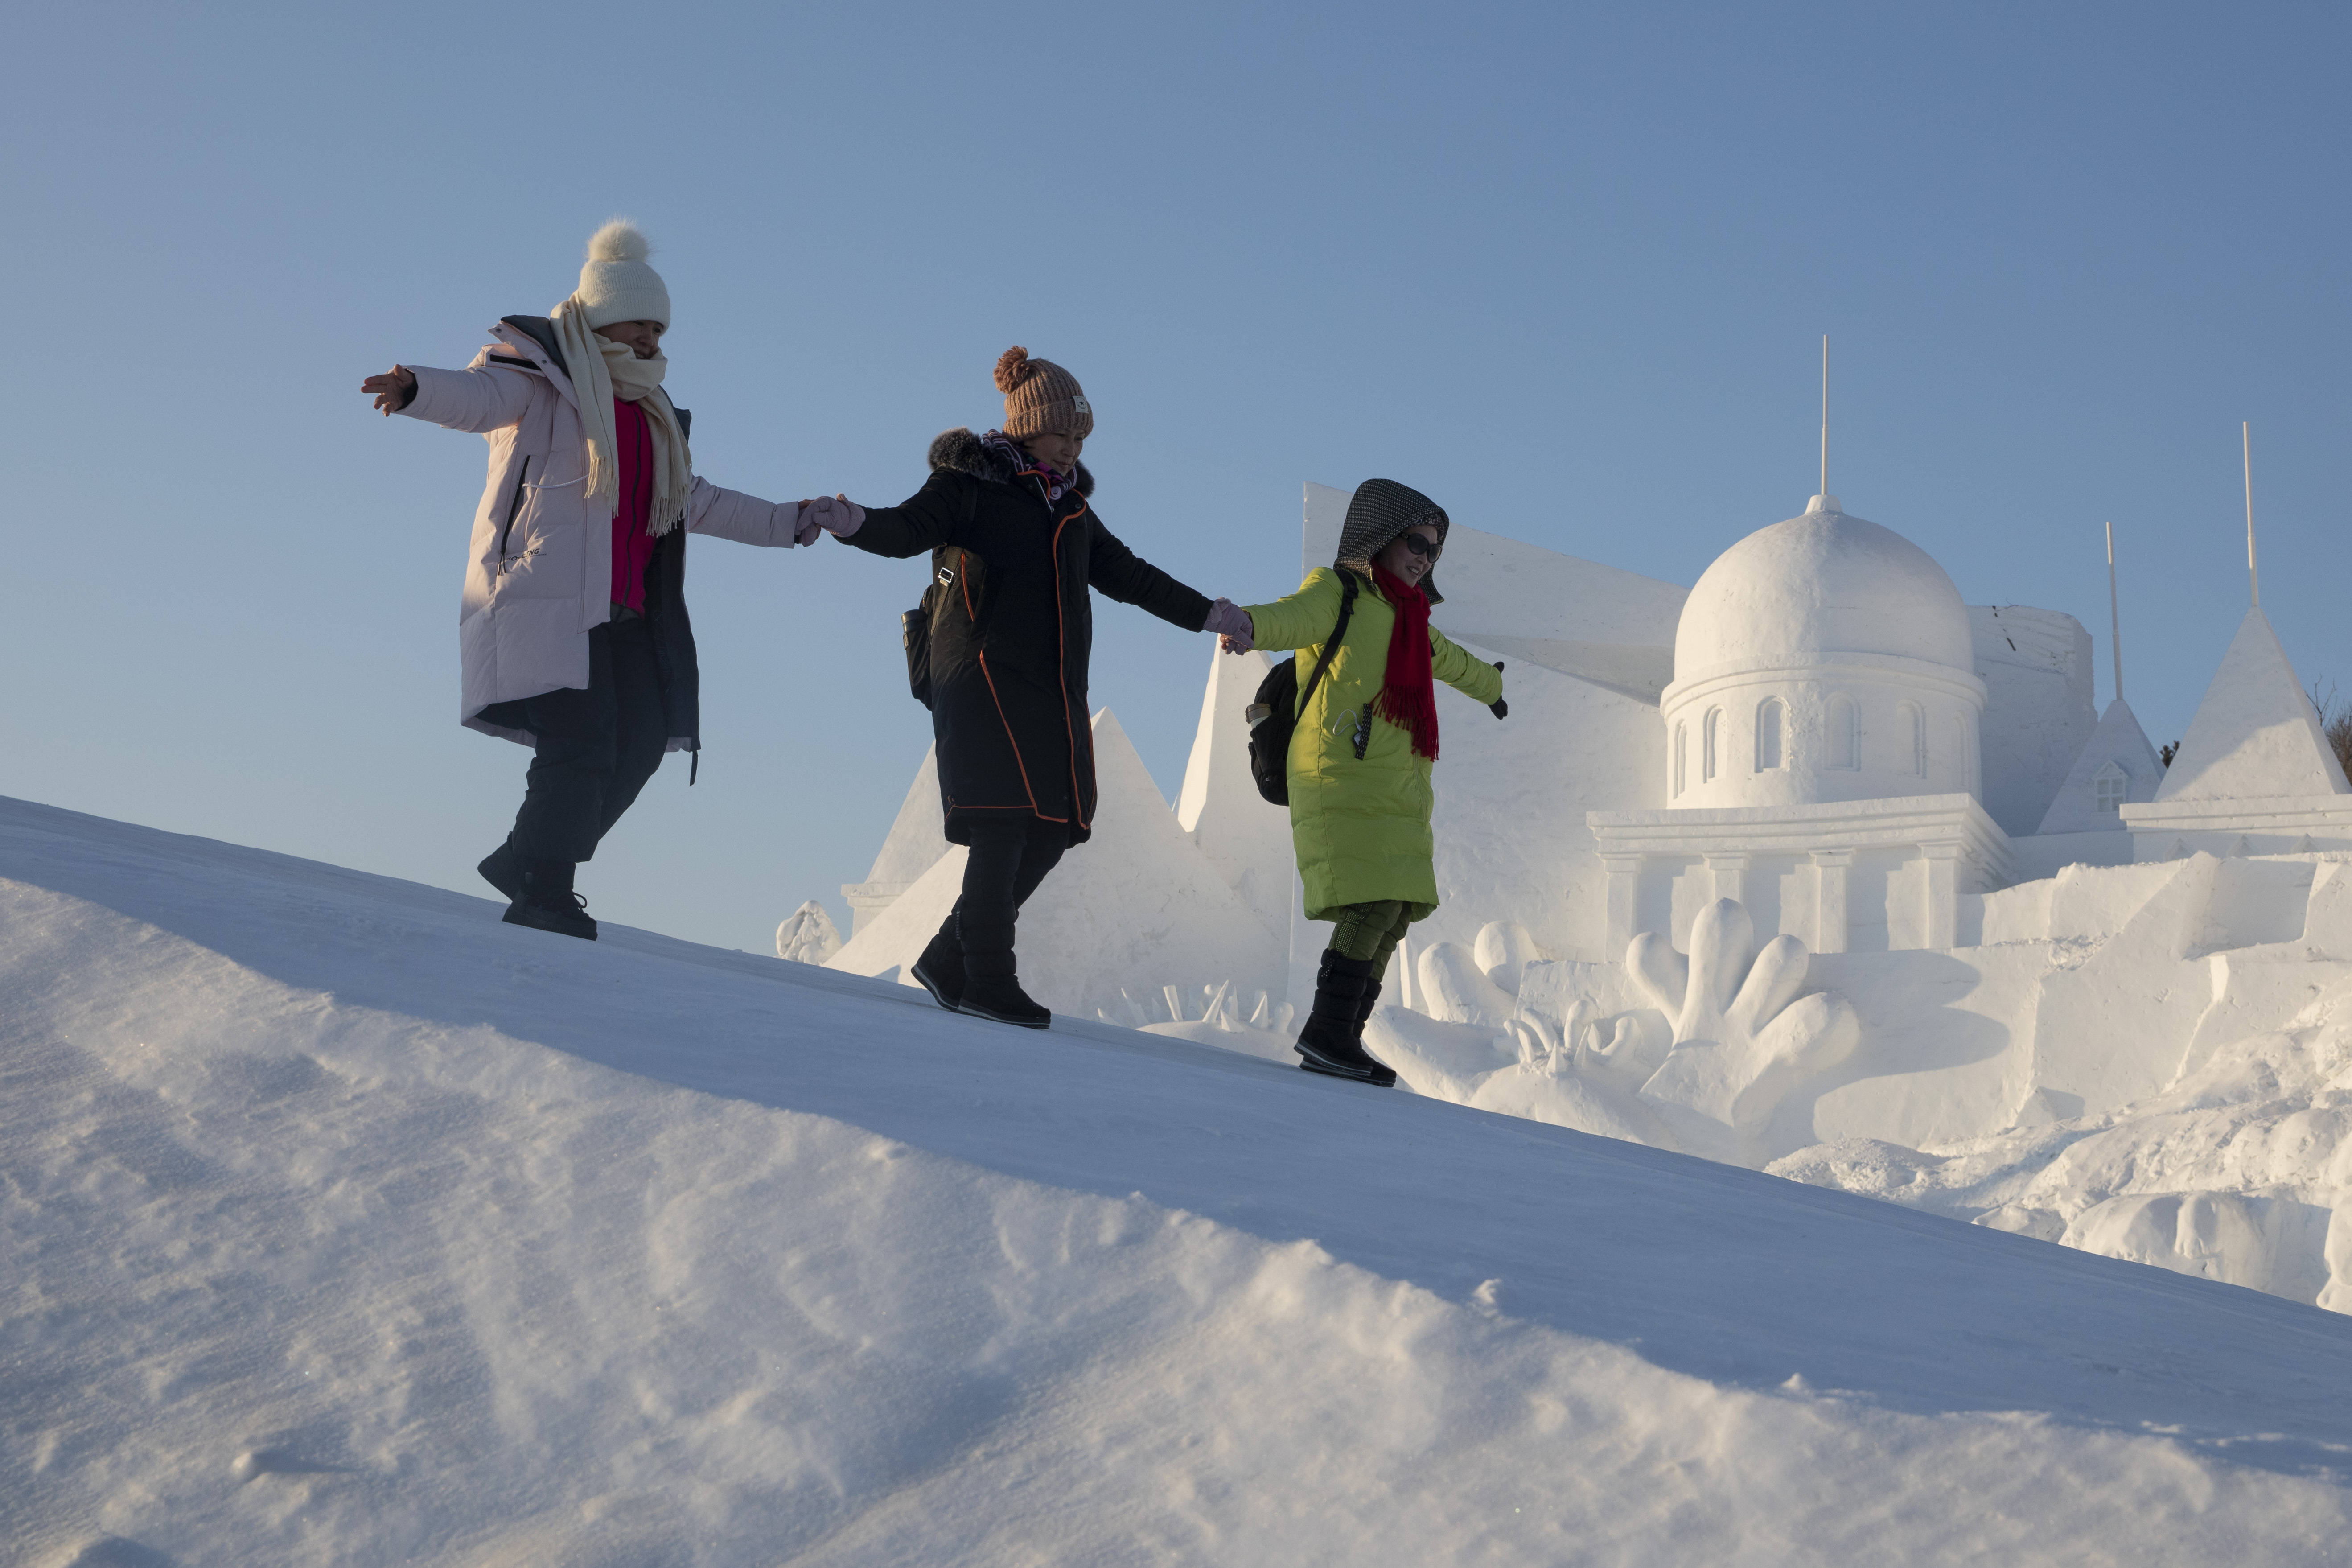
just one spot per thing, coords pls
(1274, 716)
(915, 626)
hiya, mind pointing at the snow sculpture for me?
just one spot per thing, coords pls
(1743, 1037)
(1505, 950)
(808, 935)
(1248, 841)
(1454, 988)
(2039, 708)
(1822, 733)
(2116, 768)
(917, 839)
(1794, 619)
(2255, 766)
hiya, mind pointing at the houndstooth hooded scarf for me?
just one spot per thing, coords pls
(1377, 513)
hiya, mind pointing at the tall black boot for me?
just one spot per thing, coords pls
(502, 870)
(548, 903)
(992, 987)
(1386, 1077)
(939, 970)
(1328, 1042)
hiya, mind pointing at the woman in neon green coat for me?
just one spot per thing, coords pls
(1361, 756)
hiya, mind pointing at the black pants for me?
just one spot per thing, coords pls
(596, 748)
(1009, 858)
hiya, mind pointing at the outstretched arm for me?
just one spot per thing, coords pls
(486, 398)
(927, 520)
(391, 390)
(746, 520)
(1464, 670)
(1303, 619)
(1119, 573)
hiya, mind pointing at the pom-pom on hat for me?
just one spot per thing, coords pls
(616, 285)
(1040, 396)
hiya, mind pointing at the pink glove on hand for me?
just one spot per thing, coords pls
(836, 515)
(1236, 632)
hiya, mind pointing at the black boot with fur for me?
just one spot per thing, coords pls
(548, 903)
(1327, 1044)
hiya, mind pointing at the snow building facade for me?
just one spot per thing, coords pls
(1825, 754)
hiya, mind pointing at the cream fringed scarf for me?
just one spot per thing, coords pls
(602, 369)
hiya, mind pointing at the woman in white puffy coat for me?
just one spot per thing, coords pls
(574, 634)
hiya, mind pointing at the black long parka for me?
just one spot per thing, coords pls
(1011, 627)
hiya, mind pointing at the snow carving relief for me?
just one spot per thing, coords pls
(1704, 1071)
(1743, 1037)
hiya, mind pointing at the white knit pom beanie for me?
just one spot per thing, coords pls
(616, 285)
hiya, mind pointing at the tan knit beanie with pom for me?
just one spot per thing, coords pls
(1041, 397)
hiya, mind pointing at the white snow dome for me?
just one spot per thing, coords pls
(1820, 583)
(1823, 659)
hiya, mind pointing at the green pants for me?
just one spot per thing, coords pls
(1372, 930)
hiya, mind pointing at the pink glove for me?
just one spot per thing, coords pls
(836, 515)
(804, 527)
(1236, 632)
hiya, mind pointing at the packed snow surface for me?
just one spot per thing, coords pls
(344, 1224)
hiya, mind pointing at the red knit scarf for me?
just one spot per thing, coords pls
(1407, 697)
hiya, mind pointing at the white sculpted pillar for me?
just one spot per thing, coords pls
(1942, 910)
(1623, 895)
(1829, 869)
(1730, 877)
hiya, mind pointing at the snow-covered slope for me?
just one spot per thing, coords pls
(340, 1223)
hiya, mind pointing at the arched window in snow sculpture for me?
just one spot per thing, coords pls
(1916, 721)
(1710, 744)
(1844, 733)
(1768, 749)
(2108, 788)
(1681, 738)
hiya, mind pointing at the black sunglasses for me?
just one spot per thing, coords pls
(1415, 544)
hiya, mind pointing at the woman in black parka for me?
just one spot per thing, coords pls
(1015, 545)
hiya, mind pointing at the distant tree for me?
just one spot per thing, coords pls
(2336, 722)
(2167, 754)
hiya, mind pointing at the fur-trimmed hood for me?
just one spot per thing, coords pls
(959, 451)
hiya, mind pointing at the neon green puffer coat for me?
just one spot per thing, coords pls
(1361, 828)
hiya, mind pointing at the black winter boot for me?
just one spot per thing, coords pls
(1328, 1042)
(1386, 1077)
(940, 971)
(548, 903)
(999, 998)
(502, 870)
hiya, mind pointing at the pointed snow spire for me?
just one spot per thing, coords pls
(2253, 578)
(917, 839)
(1824, 501)
(2116, 768)
(2256, 734)
(1244, 838)
(2114, 614)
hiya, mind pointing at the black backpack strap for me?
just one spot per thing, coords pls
(1331, 649)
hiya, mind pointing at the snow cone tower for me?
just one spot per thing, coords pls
(1823, 753)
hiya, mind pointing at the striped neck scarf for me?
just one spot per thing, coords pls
(1027, 467)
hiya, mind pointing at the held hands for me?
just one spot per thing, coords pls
(1235, 631)
(836, 515)
(391, 392)
(1500, 709)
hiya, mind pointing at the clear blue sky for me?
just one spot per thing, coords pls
(1564, 268)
